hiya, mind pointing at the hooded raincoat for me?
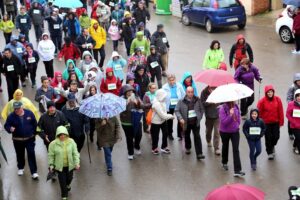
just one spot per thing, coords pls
(117, 65)
(184, 84)
(68, 70)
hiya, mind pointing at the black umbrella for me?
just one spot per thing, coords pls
(51, 175)
(2, 151)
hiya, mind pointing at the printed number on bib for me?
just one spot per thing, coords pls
(164, 40)
(174, 102)
(23, 21)
(111, 4)
(10, 68)
(192, 114)
(254, 130)
(31, 60)
(118, 67)
(35, 11)
(142, 48)
(19, 50)
(154, 64)
(56, 26)
(103, 12)
(112, 86)
(296, 113)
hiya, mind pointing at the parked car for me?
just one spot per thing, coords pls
(284, 25)
(215, 13)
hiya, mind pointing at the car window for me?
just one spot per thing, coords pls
(206, 3)
(201, 3)
(228, 3)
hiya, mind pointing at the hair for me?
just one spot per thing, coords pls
(43, 78)
(245, 61)
(151, 84)
(213, 44)
(7, 49)
(92, 86)
(171, 76)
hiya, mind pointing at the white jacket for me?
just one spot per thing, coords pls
(46, 49)
(159, 107)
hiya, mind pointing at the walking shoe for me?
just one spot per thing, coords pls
(165, 150)
(69, 188)
(295, 52)
(35, 176)
(292, 137)
(187, 151)
(130, 157)
(109, 172)
(171, 137)
(64, 198)
(155, 151)
(33, 86)
(164, 74)
(218, 152)
(21, 172)
(253, 167)
(296, 151)
(270, 157)
(239, 174)
(209, 144)
(200, 156)
(225, 167)
(137, 151)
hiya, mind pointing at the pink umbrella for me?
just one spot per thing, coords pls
(214, 78)
(236, 192)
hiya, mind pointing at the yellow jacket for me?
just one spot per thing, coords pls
(6, 26)
(99, 35)
(27, 104)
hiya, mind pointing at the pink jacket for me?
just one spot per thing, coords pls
(292, 111)
(114, 32)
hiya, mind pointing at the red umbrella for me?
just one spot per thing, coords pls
(214, 78)
(236, 192)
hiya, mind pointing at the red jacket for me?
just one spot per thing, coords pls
(271, 110)
(94, 13)
(296, 24)
(110, 80)
(54, 83)
(69, 52)
(294, 121)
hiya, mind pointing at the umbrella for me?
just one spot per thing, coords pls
(51, 175)
(136, 117)
(236, 192)
(229, 92)
(214, 77)
(2, 151)
(103, 106)
(292, 2)
(68, 3)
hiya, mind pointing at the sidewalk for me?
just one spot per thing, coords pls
(267, 19)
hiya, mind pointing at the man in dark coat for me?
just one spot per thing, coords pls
(85, 42)
(141, 14)
(55, 29)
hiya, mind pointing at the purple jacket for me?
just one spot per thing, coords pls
(247, 77)
(229, 124)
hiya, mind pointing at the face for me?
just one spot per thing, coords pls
(254, 115)
(109, 74)
(45, 83)
(73, 77)
(115, 58)
(51, 110)
(139, 53)
(28, 48)
(141, 5)
(5, 17)
(22, 11)
(216, 45)
(87, 58)
(241, 41)
(59, 78)
(152, 88)
(18, 96)
(141, 72)
(19, 111)
(190, 92)
(86, 32)
(161, 30)
(73, 87)
(114, 23)
(270, 93)
(70, 66)
(93, 91)
(189, 79)
(22, 39)
(246, 66)
(72, 104)
(70, 16)
(153, 51)
(45, 37)
(298, 83)
(95, 25)
(62, 137)
(7, 54)
(297, 98)
(129, 93)
(171, 81)
(131, 82)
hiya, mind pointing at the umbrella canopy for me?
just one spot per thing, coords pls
(228, 93)
(68, 3)
(292, 2)
(214, 78)
(236, 192)
(2, 151)
(50, 175)
(103, 106)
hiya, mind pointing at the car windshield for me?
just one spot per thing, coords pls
(228, 3)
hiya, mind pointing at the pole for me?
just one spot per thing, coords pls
(88, 146)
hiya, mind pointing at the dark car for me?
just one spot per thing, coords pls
(215, 13)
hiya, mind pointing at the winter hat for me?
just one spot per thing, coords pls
(127, 14)
(50, 104)
(71, 97)
(29, 45)
(152, 47)
(45, 34)
(141, 24)
(115, 54)
(129, 77)
(137, 49)
(297, 93)
(13, 37)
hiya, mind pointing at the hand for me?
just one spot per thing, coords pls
(181, 121)
(12, 129)
(19, 30)
(91, 46)
(231, 111)
(46, 138)
(83, 46)
(77, 167)
(60, 59)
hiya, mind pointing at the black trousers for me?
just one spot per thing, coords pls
(127, 45)
(235, 141)
(245, 103)
(38, 31)
(32, 71)
(155, 129)
(65, 178)
(79, 140)
(158, 77)
(7, 37)
(132, 141)
(20, 147)
(57, 40)
(197, 138)
(272, 136)
(102, 55)
(49, 68)
(115, 45)
(170, 125)
(2, 7)
(297, 42)
(26, 33)
(12, 85)
(297, 138)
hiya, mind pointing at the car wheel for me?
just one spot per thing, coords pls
(185, 20)
(242, 26)
(209, 26)
(285, 34)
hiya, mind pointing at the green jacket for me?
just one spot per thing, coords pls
(56, 152)
(140, 42)
(85, 21)
(6, 26)
(213, 58)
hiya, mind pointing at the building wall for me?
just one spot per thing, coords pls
(254, 7)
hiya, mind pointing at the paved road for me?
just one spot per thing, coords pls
(174, 176)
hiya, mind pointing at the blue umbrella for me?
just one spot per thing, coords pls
(103, 106)
(68, 3)
(292, 2)
(136, 117)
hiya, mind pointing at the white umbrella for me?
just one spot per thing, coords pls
(229, 92)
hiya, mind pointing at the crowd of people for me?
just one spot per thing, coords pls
(63, 128)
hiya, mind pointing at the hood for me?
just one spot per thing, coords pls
(57, 73)
(85, 53)
(61, 130)
(161, 95)
(13, 37)
(93, 66)
(254, 110)
(112, 21)
(240, 36)
(296, 77)
(127, 14)
(21, 36)
(140, 35)
(296, 92)
(186, 75)
(70, 61)
(268, 88)
(109, 70)
(115, 54)
(129, 77)
(126, 88)
(18, 91)
(100, 3)
(45, 34)
(93, 21)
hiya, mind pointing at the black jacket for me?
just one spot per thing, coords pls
(251, 123)
(159, 39)
(53, 24)
(128, 31)
(247, 49)
(141, 15)
(143, 81)
(30, 63)
(12, 72)
(151, 59)
(81, 39)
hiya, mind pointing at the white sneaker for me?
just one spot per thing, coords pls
(218, 152)
(295, 52)
(21, 172)
(137, 151)
(35, 176)
(130, 157)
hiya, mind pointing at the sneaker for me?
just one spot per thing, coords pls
(64, 198)
(171, 137)
(200, 156)
(295, 52)
(296, 151)
(130, 157)
(187, 151)
(292, 137)
(225, 167)
(253, 167)
(209, 144)
(137, 151)
(165, 150)
(21, 172)
(239, 174)
(155, 151)
(35, 176)
(69, 188)
(33, 86)
(109, 172)
(218, 152)
(270, 157)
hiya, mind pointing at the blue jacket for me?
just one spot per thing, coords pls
(180, 93)
(67, 24)
(22, 130)
(118, 67)
(185, 76)
(23, 22)
(254, 123)
(18, 50)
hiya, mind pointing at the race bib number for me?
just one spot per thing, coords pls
(164, 40)
(10, 68)
(192, 114)
(103, 12)
(154, 64)
(36, 11)
(115, 30)
(296, 113)
(23, 21)
(111, 4)
(173, 102)
(118, 67)
(142, 48)
(112, 86)
(19, 50)
(56, 26)
(46, 49)
(254, 130)
(31, 60)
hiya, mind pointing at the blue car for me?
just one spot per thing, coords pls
(215, 13)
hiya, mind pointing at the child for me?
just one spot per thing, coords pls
(114, 34)
(254, 128)
(6, 25)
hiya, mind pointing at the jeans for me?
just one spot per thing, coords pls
(79, 140)
(20, 147)
(132, 141)
(127, 45)
(7, 37)
(115, 45)
(235, 140)
(65, 178)
(107, 155)
(49, 68)
(12, 85)
(102, 55)
(255, 150)
(57, 40)
(245, 103)
(38, 31)
(155, 129)
(170, 125)
(272, 136)
(197, 138)
(213, 125)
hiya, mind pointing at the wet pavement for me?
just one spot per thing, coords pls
(174, 176)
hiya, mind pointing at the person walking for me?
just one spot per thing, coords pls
(128, 31)
(254, 129)
(154, 66)
(11, 9)
(84, 19)
(73, 26)
(86, 63)
(58, 82)
(114, 34)
(23, 23)
(111, 83)
(214, 56)
(296, 32)
(31, 58)
(141, 43)
(142, 79)
(141, 14)
(187, 80)
(117, 63)
(36, 12)
(103, 13)
(271, 111)
(108, 134)
(85, 42)
(7, 26)
(69, 51)
(230, 120)
(22, 125)
(63, 158)
(189, 112)
(148, 101)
